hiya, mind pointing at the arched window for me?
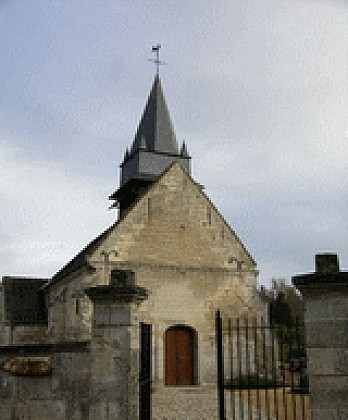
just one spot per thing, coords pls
(180, 351)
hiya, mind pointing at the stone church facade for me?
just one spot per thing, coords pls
(173, 243)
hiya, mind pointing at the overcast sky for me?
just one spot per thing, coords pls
(258, 89)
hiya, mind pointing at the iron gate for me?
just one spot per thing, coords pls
(262, 370)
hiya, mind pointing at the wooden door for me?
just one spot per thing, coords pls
(179, 356)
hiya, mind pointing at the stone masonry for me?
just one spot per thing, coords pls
(325, 295)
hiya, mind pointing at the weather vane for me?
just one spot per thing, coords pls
(156, 49)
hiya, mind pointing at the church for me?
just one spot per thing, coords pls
(170, 240)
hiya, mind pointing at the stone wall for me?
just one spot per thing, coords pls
(28, 334)
(187, 296)
(186, 256)
(325, 295)
(64, 395)
(190, 262)
(176, 224)
(70, 310)
(115, 349)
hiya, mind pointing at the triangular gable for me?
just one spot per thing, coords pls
(132, 229)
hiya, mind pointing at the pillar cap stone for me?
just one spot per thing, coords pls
(327, 273)
(122, 288)
(116, 293)
(326, 263)
(320, 278)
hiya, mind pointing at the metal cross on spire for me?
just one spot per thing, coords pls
(156, 50)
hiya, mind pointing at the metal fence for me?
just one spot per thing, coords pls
(262, 370)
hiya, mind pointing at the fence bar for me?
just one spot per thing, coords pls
(239, 361)
(220, 366)
(295, 366)
(247, 365)
(303, 395)
(265, 367)
(274, 374)
(255, 377)
(292, 381)
(284, 370)
(257, 369)
(233, 397)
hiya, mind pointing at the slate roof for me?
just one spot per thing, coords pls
(24, 301)
(80, 260)
(155, 131)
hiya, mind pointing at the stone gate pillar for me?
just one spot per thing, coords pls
(115, 348)
(325, 294)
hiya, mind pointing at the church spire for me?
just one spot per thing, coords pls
(155, 125)
(153, 149)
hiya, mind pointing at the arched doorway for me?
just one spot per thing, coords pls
(179, 355)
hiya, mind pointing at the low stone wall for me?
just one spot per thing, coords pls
(29, 398)
(63, 395)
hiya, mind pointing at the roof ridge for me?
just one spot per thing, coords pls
(80, 258)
